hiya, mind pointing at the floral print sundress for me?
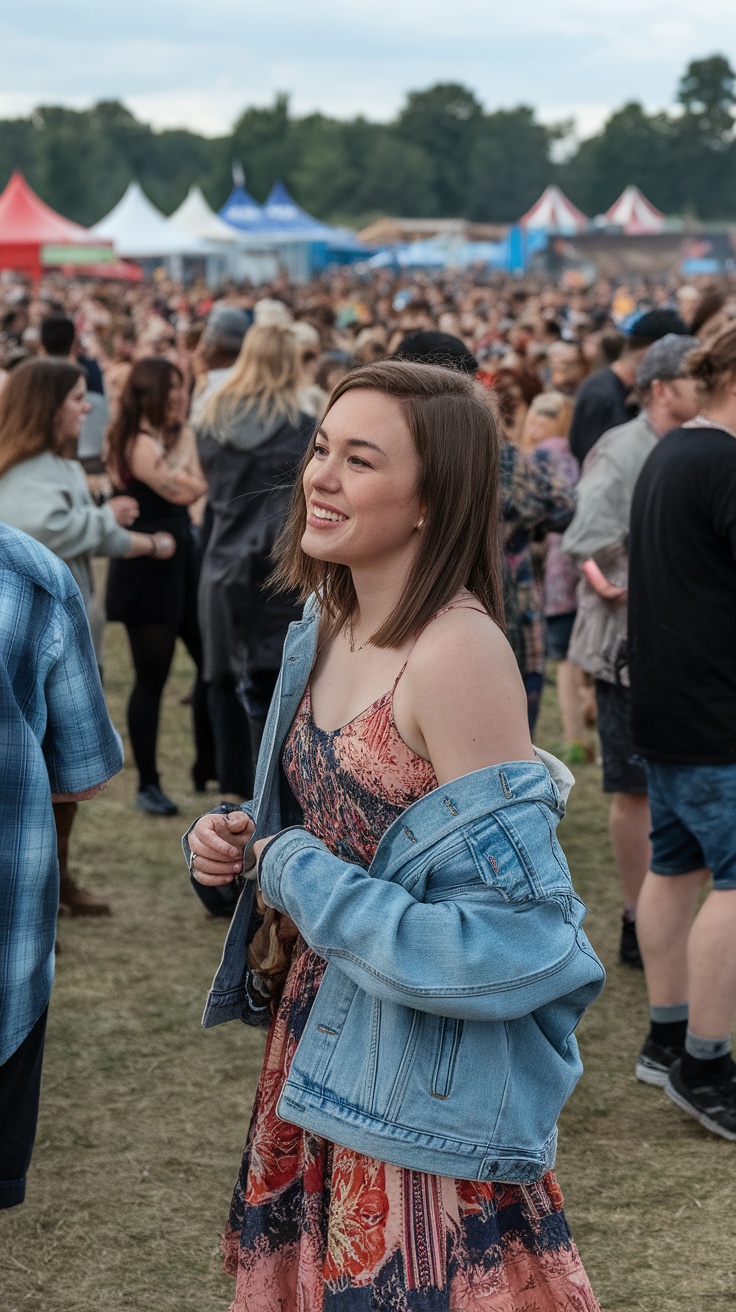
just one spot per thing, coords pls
(315, 1227)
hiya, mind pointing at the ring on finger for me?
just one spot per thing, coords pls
(192, 871)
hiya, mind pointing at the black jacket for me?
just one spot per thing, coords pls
(250, 468)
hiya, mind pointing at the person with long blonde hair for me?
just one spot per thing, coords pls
(251, 436)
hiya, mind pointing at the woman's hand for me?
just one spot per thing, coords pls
(217, 843)
(164, 546)
(125, 510)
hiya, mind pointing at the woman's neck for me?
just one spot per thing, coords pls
(721, 410)
(378, 591)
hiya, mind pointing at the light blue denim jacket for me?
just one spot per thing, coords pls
(442, 1035)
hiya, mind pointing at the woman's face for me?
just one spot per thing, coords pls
(70, 414)
(538, 427)
(363, 506)
(308, 363)
(175, 403)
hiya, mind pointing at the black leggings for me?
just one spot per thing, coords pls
(237, 716)
(152, 648)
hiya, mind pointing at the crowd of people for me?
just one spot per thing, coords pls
(558, 458)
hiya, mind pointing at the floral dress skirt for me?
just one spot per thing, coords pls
(315, 1227)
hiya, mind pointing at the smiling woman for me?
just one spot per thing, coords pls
(437, 958)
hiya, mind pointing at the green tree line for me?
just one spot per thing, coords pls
(443, 155)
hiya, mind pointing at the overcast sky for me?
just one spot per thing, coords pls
(197, 63)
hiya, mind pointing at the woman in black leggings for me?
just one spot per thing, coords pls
(152, 456)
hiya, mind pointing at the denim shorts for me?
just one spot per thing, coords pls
(623, 767)
(557, 635)
(693, 820)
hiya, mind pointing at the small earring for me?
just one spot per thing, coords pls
(421, 522)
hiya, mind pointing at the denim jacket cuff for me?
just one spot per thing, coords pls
(274, 858)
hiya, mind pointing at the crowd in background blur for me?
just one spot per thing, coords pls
(197, 409)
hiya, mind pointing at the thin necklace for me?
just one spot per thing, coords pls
(712, 423)
(351, 640)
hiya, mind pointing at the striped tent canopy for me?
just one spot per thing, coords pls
(553, 212)
(635, 214)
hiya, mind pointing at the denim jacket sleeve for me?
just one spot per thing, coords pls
(476, 956)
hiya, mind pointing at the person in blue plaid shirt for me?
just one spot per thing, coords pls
(56, 744)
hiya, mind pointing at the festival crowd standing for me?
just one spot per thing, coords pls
(598, 540)
(682, 625)
(394, 1170)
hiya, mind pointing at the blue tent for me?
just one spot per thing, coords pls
(283, 213)
(305, 244)
(243, 212)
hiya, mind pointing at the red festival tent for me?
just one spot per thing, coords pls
(34, 237)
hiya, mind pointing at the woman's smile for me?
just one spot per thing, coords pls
(323, 516)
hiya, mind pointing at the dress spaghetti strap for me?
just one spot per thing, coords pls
(453, 605)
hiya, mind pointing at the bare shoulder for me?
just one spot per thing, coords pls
(462, 637)
(464, 699)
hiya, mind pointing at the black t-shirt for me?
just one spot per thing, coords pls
(600, 405)
(682, 600)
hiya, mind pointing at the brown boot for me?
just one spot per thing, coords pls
(74, 899)
(78, 901)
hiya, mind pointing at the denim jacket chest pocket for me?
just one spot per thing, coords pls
(447, 874)
(518, 855)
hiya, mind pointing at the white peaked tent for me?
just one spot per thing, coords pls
(635, 214)
(140, 231)
(196, 218)
(233, 253)
(553, 212)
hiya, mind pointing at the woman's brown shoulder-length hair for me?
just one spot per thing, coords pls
(29, 404)
(453, 422)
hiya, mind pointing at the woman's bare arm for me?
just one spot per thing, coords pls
(149, 463)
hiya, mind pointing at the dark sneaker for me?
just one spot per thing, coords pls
(152, 800)
(629, 954)
(654, 1062)
(714, 1105)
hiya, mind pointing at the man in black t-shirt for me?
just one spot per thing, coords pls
(604, 399)
(682, 666)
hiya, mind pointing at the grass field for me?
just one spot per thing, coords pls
(144, 1115)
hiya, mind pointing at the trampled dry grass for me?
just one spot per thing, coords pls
(144, 1114)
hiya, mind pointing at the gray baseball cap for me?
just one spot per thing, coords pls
(227, 325)
(665, 359)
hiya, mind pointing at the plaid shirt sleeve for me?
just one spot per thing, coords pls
(80, 745)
